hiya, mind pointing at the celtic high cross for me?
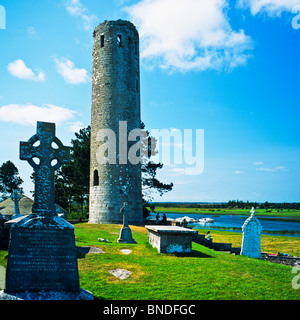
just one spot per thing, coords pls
(124, 211)
(45, 153)
(16, 197)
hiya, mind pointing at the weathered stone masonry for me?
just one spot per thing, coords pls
(115, 97)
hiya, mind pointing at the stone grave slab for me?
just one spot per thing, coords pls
(126, 251)
(120, 273)
(170, 239)
(89, 250)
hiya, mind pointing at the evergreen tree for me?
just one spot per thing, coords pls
(72, 180)
(149, 170)
(9, 179)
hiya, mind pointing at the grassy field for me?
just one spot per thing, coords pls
(203, 274)
(269, 244)
(262, 212)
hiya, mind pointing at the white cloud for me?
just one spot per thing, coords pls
(70, 73)
(18, 69)
(75, 8)
(238, 172)
(271, 7)
(188, 35)
(276, 169)
(258, 163)
(29, 114)
(75, 126)
(32, 33)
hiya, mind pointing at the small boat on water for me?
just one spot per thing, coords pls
(186, 218)
(205, 220)
(191, 220)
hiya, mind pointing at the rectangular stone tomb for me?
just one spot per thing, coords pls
(42, 256)
(169, 239)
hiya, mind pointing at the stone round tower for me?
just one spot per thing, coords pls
(115, 105)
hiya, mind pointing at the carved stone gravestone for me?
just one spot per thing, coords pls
(42, 260)
(251, 237)
(16, 197)
(4, 234)
(125, 234)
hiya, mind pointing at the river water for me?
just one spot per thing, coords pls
(271, 225)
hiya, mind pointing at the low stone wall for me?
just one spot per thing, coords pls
(236, 250)
(218, 246)
(289, 261)
(153, 223)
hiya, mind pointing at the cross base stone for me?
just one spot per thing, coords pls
(126, 236)
(42, 261)
(48, 295)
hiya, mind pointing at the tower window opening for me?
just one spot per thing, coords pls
(96, 178)
(119, 41)
(102, 41)
(135, 48)
(137, 85)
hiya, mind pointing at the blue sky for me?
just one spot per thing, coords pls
(229, 67)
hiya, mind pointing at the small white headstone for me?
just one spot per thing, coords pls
(251, 237)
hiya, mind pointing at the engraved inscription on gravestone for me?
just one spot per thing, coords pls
(45, 259)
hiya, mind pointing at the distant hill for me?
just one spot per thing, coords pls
(7, 207)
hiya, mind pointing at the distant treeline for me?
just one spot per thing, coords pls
(232, 204)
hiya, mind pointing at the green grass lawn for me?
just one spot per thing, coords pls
(203, 274)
